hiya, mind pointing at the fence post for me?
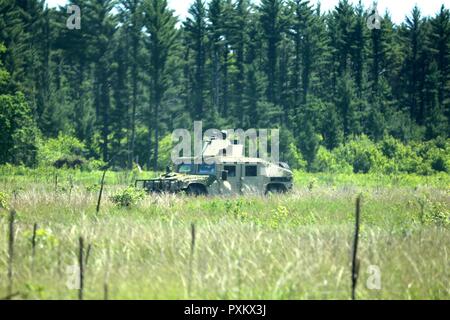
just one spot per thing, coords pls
(12, 218)
(101, 192)
(355, 261)
(33, 246)
(81, 265)
(191, 258)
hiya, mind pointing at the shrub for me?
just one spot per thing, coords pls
(19, 132)
(128, 197)
(165, 152)
(327, 161)
(402, 158)
(439, 158)
(93, 165)
(294, 158)
(363, 155)
(435, 156)
(44, 238)
(64, 150)
(435, 213)
(71, 162)
(279, 215)
(4, 201)
(439, 162)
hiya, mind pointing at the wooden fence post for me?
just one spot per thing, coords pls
(355, 261)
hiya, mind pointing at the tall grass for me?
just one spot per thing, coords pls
(297, 246)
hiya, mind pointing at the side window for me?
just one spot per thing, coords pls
(251, 171)
(206, 169)
(231, 171)
(185, 168)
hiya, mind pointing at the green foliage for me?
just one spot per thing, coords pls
(289, 151)
(19, 133)
(44, 238)
(402, 157)
(327, 161)
(4, 201)
(165, 152)
(389, 156)
(362, 154)
(62, 147)
(309, 143)
(128, 197)
(279, 216)
(294, 158)
(4, 74)
(236, 208)
(440, 159)
(93, 188)
(434, 212)
(135, 74)
(316, 226)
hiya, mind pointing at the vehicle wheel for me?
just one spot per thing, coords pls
(195, 191)
(275, 189)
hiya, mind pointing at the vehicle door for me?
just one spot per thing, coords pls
(251, 179)
(233, 185)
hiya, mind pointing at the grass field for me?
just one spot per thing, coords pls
(295, 246)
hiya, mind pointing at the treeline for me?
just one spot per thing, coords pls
(133, 73)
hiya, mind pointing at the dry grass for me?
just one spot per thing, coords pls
(284, 247)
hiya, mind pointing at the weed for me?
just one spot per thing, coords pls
(128, 197)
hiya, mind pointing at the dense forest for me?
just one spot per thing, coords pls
(345, 96)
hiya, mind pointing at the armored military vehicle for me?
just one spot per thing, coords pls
(223, 170)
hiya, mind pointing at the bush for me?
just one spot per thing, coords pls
(439, 161)
(4, 201)
(363, 155)
(128, 197)
(44, 238)
(92, 165)
(327, 161)
(64, 150)
(19, 132)
(72, 162)
(165, 152)
(435, 213)
(402, 158)
(389, 156)
(294, 158)
(435, 156)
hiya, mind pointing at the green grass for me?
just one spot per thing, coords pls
(296, 246)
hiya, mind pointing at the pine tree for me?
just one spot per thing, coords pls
(345, 104)
(241, 40)
(439, 44)
(119, 85)
(254, 79)
(342, 26)
(272, 27)
(331, 131)
(101, 28)
(302, 20)
(19, 132)
(414, 65)
(131, 13)
(195, 28)
(214, 33)
(358, 50)
(160, 23)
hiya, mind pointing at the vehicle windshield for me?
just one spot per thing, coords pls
(207, 169)
(185, 168)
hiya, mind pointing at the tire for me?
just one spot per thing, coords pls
(275, 189)
(196, 191)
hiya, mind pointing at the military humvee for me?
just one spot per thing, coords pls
(223, 170)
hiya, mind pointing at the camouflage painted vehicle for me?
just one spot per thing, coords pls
(232, 174)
